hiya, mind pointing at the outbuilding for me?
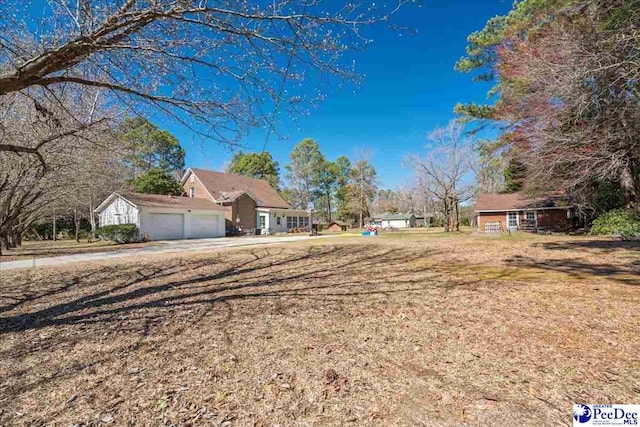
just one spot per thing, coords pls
(337, 226)
(161, 217)
(391, 220)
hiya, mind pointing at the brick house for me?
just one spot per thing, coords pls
(248, 203)
(514, 211)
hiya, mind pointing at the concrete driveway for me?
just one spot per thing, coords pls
(167, 246)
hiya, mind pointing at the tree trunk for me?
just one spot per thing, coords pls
(447, 216)
(329, 207)
(76, 220)
(457, 215)
(629, 187)
(13, 240)
(92, 219)
(54, 226)
(4, 241)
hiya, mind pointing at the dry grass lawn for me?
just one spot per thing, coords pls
(50, 248)
(401, 330)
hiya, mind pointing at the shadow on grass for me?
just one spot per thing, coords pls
(261, 275)
(628, 274)
(125, 304)
(603, 245)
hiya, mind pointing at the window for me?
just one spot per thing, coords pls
(305, 220)
(192, 192)
(294, 221)
(263, 221)
(301, 221)
(530, 216)
(512, 219)
(289, 222)
(278, 220)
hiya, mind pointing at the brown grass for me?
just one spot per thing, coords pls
(462, 330)
(50, 248)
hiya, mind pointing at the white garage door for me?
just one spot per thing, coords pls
(165, 226)
(205, 226)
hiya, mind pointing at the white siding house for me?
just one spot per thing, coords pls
(160, 217)
(389, 220)
(276, 220)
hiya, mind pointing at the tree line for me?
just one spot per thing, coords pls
(565, 98)
(339, 189)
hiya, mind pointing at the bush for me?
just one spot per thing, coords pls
(121, 233)
(619, 222)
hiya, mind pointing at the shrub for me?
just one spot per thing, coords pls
(618, 222)
(121, 233)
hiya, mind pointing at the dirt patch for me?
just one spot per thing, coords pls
(419, 331)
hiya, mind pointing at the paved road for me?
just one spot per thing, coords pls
(168, 246)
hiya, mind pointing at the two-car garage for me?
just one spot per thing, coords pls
(187, 225)
(160, 217)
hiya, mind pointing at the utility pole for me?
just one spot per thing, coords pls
(361, 195)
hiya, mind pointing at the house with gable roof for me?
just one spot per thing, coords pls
(248, 203)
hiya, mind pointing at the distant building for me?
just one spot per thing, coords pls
(427, 220)
(389, 220)
(337, 226)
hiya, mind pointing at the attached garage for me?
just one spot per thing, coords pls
(164, 226)
(160, 217)
(205, 225)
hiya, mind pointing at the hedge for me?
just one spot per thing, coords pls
(120, 233)
(618, 222)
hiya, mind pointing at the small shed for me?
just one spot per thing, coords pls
(425, 220)
(337, 226)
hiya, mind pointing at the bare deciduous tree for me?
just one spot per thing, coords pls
(444, 171)
(215, 66)
(72, 164)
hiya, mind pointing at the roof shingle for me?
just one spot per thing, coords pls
(175, 202)
(227, 186)
(515, 201)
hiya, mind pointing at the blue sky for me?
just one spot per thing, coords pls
(410, 87)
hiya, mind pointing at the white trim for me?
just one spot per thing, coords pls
(517, 219)
(242, 193)
(284, 210)
(102, 206)
(183, 180)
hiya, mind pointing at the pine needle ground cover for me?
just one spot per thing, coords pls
(456, 330)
